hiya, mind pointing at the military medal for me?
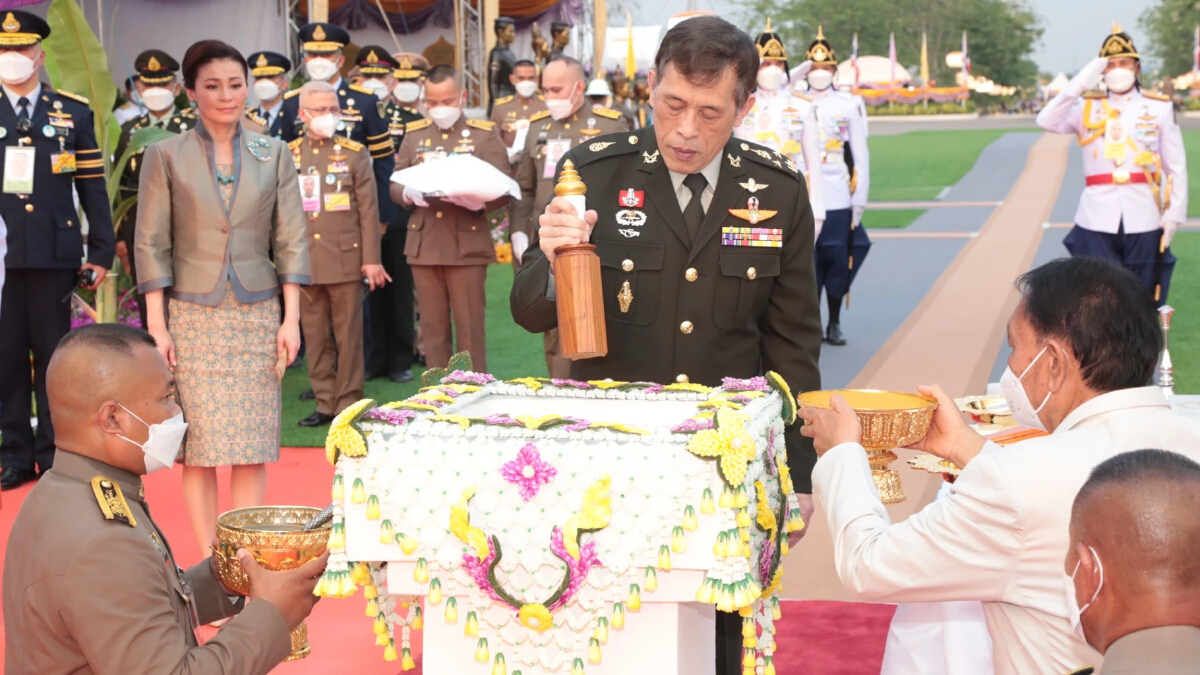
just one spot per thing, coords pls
(48, 131)
(330, 179)
(631, 218)
(625, 297)
(337, 164)
(633, 199)
(752, 213)
(757, 237)
(752, 186)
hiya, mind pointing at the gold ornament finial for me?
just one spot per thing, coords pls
(372, 57)
(569, 182)
(262, 61)
(319, 34)
(10, 23)
(820, 33)
(1116, 27)
(768, 30)
(153, 66)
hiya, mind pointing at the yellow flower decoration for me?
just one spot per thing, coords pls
(729, 442)
(453, 419)
(619, 427)
(785, 475)
(433, 395)
(776, 583)
(460, 525)
(343, 437)
(606, 384)
(593, 515)
(720, 403)
(688, 386)
(789, 402)
(405, 405)
(766, 517)
(530, 382)
(534, 423)
(536, 616)
(746, 394)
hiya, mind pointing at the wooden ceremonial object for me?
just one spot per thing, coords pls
(578, 286)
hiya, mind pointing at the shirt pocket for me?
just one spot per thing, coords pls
(743, 287)
(640, 266)
(351, 252)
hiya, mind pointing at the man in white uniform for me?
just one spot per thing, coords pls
(846, 176)
(783, 121)
(1085, 339)
(1133, 157)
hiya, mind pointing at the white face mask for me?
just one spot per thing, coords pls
(1119, 80)
(561, 108)
(820, 79)
(526, 88)
(321, 69)
(378, 88)
(407, 92)
(771, 78)
(324, 126)
(266, 90)
(162, 445)
(1074, 611)
(1022, 409)
(444, 116)
(158, 99)
(15, 68)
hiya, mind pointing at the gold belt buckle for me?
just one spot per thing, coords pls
(1120, 177)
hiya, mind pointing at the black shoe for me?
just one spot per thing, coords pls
(12, 478)
(834, 336)
(317, 419)
(307, 395)
(402, 376)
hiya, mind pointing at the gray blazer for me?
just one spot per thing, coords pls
(189, 244)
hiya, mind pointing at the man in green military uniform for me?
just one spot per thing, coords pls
(90, 582)
(157, 86)
(552, 132)
(705, 245)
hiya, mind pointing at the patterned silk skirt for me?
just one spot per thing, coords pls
(225, 380)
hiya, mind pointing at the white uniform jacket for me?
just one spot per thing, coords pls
(1000, 536)
(786, 123)
(1123, 136)
(842, 121)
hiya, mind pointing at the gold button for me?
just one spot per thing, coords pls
(691, 274)
(70, 224)
(567, 125)
(473, 228)
(686, 328)
(316, 151)
(633, 140)
(751, 273)
(445, 136)
(627, 265)
(745, 147)
(317, 236)
(438, 214)
(681, 378)
(356, 246)
(29, 208)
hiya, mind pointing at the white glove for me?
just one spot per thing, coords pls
(514, 154)
(817, 224)
(799, 72)
(412, 196)
(468, 203)
(856, 215)
(1168, 227)
(520, 242)
(1089, 76)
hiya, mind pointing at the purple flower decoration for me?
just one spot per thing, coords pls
(578, 568)
(654, 389)
(501, 420)
(577, 424)
(478, 570)
(764, 563)
(743, 400)
(691, 425)
(576, 384)
(390, 415)
(771, 468)
(467, 377)
(423, 401)
(528, 472)
(752, 384)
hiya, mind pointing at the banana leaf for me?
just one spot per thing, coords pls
(140, 139)
(81, 67)
(121, 210)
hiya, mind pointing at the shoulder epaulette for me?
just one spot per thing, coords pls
(1156, 96)
(606, 112)
(349, 144)
(608, 145)
(481, 124)
(187, 111)
(760, 155)
(360, 89)
(1094, 94)
(75, 97)
(411, 110)
(112, 502)
(540, 115)
(416, 126)
(253, 116)
(805, 97)
(502, 100)
(292, 93)
(294, 145)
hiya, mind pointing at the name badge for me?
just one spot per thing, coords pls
(18, 169)
(310, 193)
(1114, 139)
(555, 149)
(337, 201)
(62, 162)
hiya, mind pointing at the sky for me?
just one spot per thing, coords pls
(1074, 29)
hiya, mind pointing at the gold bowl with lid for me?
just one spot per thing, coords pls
(890, 419)
(274, 535)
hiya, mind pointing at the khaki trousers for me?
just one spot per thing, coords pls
(332, 319)
(452, 290)
(558, 367)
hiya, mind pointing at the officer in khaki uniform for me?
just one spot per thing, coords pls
(548, 139)
(449, 245)
(513, 112)
(337, 192)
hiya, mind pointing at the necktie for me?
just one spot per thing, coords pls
(23, 108)
(693, 214)
(265, 115)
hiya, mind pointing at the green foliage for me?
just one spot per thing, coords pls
(1169, 26)
(81, 67)
(1001, 34)
(139, 139)
(902, 109)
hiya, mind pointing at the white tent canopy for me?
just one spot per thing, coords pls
(645, 46)
(1057, 84)
(872, 70)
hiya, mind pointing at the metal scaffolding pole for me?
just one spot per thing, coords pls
(468, 22)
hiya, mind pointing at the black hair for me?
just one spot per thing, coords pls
(113, 337)
(702, 48)
(1102, 312)
(205, 52)
(129, 82)
(524, 62)
(441, 73)
(1138, 466)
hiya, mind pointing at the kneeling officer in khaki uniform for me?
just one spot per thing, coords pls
(90, 584)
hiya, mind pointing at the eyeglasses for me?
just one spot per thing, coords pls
(317, 112)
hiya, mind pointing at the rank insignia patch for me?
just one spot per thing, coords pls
(633, 199)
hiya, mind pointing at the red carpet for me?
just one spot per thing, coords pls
(815, 638)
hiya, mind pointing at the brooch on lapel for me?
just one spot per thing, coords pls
(258, 148)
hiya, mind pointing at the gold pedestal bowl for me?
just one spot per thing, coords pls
(890, 419)
(273, 535)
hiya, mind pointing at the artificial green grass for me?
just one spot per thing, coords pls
(1185, 323)
(512, 353)
(1191, 146)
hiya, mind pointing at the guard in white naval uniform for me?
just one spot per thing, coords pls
(846, 176)
(1133, 158)
(784, 121)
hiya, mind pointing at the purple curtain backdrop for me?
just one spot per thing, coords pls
(17, 4)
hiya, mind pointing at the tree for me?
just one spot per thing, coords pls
(1001, 33)
(1168, 27)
